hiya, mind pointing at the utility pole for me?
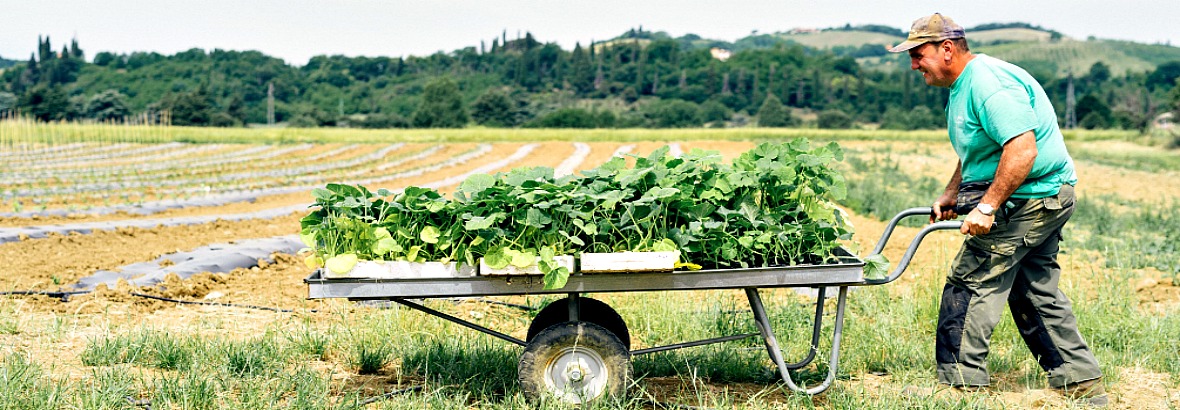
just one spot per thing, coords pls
(1071, 115)
(270, 103)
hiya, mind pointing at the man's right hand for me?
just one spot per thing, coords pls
(944, 208)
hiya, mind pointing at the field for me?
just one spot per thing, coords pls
(139, 202)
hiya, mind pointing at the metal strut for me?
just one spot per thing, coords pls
(776, 354)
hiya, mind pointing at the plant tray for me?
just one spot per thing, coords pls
(403, 270)
(630, 262)
(511, 270)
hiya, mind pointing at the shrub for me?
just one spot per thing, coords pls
(834, 119)
(672, 113)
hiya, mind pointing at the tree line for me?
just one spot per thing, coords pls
(640, 79)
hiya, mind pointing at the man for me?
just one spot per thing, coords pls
(1004, 131)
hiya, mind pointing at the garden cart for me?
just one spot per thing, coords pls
(578, 349)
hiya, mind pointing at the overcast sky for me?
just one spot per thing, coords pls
(296, 30)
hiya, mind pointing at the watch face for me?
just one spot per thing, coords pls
(986, 209)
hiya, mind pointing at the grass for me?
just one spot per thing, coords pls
(14, 132)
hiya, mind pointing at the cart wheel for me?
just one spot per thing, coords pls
(593, 311)
(574, 362)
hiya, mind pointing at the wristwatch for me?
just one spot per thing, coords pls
(986, 209)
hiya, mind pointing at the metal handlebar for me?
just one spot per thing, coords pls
(909, 253)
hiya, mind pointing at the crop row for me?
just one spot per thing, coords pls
(408, 166)
(251, 174)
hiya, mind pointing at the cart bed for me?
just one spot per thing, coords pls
(848, 270)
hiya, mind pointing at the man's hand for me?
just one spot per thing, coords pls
(977, 223)
(944, 208)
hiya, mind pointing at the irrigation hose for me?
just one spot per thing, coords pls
(192, 302)
(64, 296)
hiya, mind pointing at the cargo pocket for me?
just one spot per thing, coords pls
(983, 259)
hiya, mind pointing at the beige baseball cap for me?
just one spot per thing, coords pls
(934, 27)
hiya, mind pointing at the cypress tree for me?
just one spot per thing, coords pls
(580, 75)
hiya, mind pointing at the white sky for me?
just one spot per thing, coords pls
(296, 30)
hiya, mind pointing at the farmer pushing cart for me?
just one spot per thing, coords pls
(1014, 172)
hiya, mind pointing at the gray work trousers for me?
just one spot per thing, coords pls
(1015, 263)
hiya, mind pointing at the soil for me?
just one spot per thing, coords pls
(55, 332)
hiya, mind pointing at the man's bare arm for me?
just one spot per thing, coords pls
(1015, 163)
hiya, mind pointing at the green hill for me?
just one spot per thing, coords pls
(1038, 49)
(1009, 35)
(1071, 56)
(7, 63)
(836, 38)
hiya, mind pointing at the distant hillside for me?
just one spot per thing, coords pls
(7, 63)
(1072, 56)
(835, 38)
(1036, 48)
(1010, 35)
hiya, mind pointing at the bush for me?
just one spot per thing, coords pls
(713, 111)
(1094, 120)
(494, 109)
(774, 114)
(442, 106)
(672, 114)
(834, 119)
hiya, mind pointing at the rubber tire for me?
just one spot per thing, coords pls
(550, 342)
(593, 311)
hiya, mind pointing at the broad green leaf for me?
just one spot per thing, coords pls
(313, 219)
(412, 253)
(496, 259)
(479, 222)
(556, 278)
(429, 234)
(381, 233)
(521, 259)
(321, 194)
(384, 245)
(476, 183)
(766, 150)
(535, 218)
(341, 263)
(573, 239)
(589, 229)
(746, 242)
(436, 206)
(657, 193)
(308, 238)
(665, 245)
(876, 267)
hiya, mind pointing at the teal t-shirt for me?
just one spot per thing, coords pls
(994, 101)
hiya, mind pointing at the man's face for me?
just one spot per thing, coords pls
(930, 60)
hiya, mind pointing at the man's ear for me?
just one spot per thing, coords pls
(948, 50)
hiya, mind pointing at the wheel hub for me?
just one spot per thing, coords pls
(577, 375)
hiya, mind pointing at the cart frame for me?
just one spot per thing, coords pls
(847, 272)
